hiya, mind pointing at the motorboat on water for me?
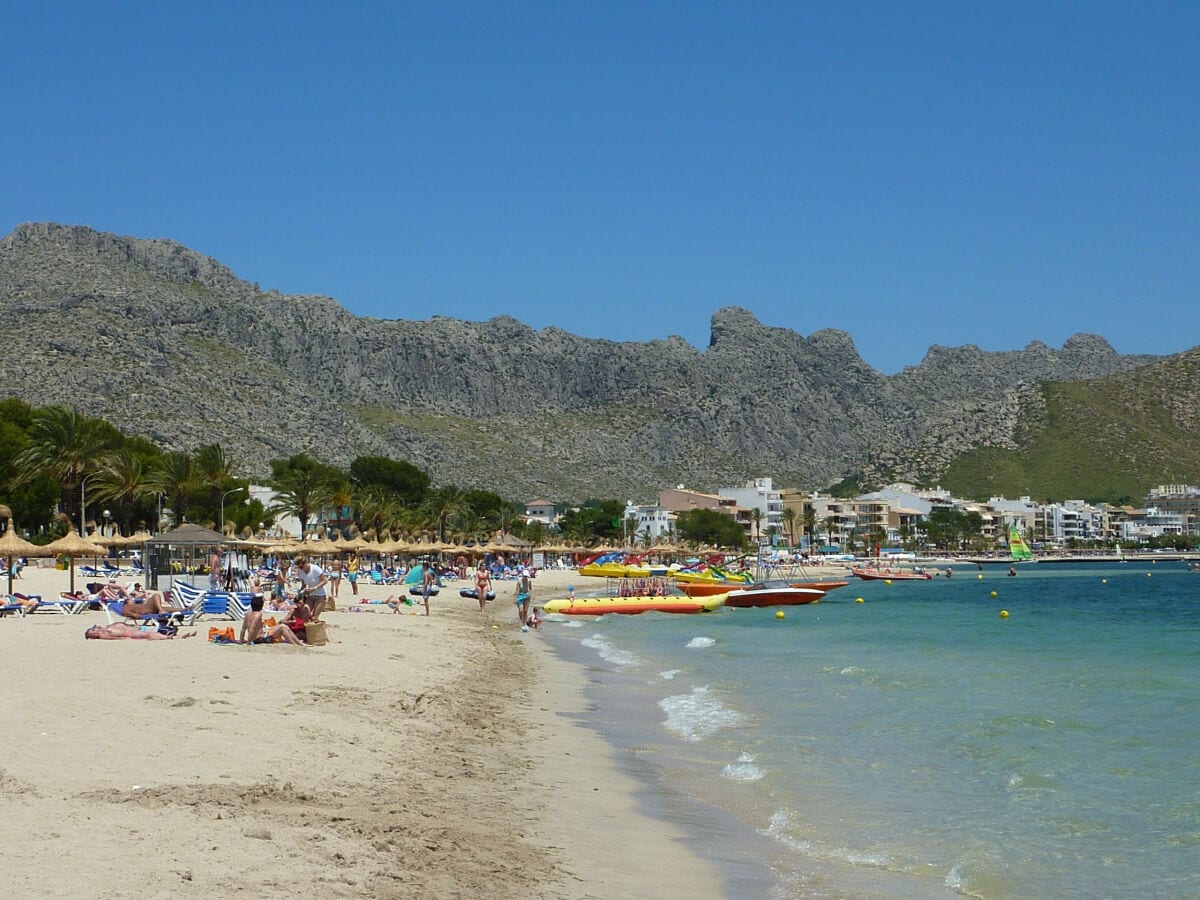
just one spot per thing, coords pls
(772, 595)
(870, 573)
(711, 590)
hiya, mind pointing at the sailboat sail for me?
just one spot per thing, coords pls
(1017, 546)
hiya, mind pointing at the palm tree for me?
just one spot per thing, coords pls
(469, 524)
(341, 496)
(301, 490)
(757, 516)
(124, 480)
(826, 525)
(810, 525)
(66, 446)
(442, 503)
(789, 519)
(216, 470)
(505, 517)
(372, 507)
(178, 480)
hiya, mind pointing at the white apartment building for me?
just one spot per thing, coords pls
(656, 522)
(760, 494)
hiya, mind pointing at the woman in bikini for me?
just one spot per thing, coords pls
(119, 631)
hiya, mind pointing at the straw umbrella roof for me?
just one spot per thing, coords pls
(356, 544)
(12, 544)
(120, 540)
(320, 546)
(71, 544)
(188, 533)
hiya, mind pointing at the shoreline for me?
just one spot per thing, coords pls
(410, 756)
(625, 717)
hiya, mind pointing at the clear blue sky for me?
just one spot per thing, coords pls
(913, 173)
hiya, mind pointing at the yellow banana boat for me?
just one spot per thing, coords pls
(631, 606)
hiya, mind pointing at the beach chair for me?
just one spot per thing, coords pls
(8, 607)
(92, 572)
(219, 603)
(65, 604)
(112, 611)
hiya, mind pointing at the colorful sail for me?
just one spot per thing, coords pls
(1017, 546)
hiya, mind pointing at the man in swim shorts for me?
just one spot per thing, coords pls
(253, 631)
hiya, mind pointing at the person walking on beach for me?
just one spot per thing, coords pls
(428, 582)
(524, 592)
(214, 570)
(335, 575)
(352, 573)
(313, 578)
(483, 583)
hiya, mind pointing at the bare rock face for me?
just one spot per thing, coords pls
(169, 344)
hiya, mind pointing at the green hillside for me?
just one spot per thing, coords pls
(1104, 439)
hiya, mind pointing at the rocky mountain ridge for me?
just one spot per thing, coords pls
(170, 344)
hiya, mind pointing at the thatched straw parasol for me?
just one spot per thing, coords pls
(72, 545)
(399, 545)
(13, 545)
(321, 547)
(357, 544)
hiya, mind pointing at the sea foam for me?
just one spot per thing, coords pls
(700, 642)
(608, 652)
(696, 715)
(744, 769)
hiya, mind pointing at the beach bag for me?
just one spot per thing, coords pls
(316, 634)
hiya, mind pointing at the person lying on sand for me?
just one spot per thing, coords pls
(253, 631)
(119, 631)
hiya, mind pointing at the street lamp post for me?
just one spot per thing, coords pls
(83, 504)
(221, 524)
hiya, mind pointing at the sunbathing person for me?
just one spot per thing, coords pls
(254, 632)
(112, 591)
(119, 631)
(24, 601)
(146, 603)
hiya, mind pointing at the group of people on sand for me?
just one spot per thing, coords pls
(522, 596)
(138, 603)
(483, 588)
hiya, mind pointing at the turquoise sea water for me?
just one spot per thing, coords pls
(917, 744)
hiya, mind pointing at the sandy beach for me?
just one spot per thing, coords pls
(411, 756)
